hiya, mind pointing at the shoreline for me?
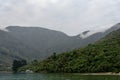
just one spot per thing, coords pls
(5, 72)
(107, 73)
(102, 74)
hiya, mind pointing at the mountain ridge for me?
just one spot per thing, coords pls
(101, 56)
(32, 43)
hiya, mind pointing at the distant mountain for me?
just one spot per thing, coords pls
(102, 56)
(43, 40)
(96, 36)
(32, 43)
(11, 48)
(48, 41)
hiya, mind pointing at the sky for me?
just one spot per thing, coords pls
(69, 16)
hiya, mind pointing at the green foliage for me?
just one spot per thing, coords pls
(17, 64)
(103, 56)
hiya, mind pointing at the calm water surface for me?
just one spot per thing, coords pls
(55, 77)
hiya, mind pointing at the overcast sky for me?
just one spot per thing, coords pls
(69, 16)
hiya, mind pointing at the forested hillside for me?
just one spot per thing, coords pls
(102, 56)
(35, 43)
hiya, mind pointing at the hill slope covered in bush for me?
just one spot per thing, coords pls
(102, 56)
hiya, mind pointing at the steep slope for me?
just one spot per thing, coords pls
(102, 56)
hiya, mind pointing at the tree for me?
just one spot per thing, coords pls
(54, 56)
(17, 64)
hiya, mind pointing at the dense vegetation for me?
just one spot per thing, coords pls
(102, 56)
(17, 64)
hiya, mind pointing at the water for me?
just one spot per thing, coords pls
(55, 77)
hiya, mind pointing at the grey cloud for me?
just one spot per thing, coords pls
(69, 16)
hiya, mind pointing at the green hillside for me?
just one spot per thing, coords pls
(102, 56)
(35, 43)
